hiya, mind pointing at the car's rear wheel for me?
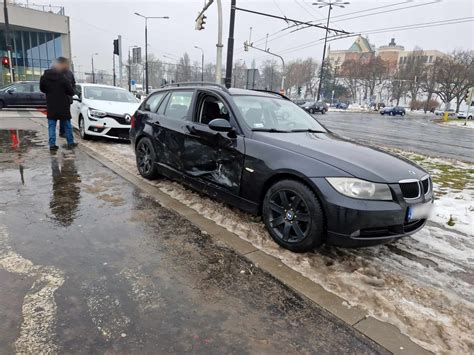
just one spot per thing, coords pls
(403, 113)
(146, 158)
(82, 129)
(293, 216)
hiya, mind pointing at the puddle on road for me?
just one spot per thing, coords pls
(414, 283)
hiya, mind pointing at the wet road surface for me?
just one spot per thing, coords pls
(411, 133)
(89, 264)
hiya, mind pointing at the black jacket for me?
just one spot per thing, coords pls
(58, 90)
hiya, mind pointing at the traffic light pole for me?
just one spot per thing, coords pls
(230, 45)
(113, 66)
(146, 56)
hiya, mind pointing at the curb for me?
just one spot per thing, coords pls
(383, 333)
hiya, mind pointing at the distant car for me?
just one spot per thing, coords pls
(451, 112)
(393, 111)
(22, 94)
(313, 107)
(463, 114)
(341, 105)
(103, 111)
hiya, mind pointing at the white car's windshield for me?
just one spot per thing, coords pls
(108, 94)
(275, 115)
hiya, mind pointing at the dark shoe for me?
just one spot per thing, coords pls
(72, 146)
(53, 148)
(62, 135)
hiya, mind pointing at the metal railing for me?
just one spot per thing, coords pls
(58, 10)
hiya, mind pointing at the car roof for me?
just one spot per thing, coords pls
(219, 89)
(101, 86)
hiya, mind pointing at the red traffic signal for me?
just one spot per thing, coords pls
(6, 61)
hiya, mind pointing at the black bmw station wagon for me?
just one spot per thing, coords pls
(262, 153)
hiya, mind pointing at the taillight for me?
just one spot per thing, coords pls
(132, 121)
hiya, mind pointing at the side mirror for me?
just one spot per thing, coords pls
(76, 98)
(220, 125)
(11, 91)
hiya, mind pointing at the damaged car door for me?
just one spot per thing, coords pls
(214, 153)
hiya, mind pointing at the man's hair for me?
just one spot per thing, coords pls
(62, 60)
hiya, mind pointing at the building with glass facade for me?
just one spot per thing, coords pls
(37, 36)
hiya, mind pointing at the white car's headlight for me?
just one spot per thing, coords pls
(361, 189)
(97, 113)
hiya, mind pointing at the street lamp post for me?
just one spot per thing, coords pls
(330, 4)
(146, 43)
(202, 62)
(92, 61)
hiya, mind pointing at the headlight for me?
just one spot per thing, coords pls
(361, 189)
(97, 113)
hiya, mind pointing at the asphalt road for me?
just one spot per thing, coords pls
(89, 264)
(417, 134)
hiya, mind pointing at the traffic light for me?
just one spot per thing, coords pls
(200, 22)
(6, 61)
(246, 46)
(299, 90)
(469, 96)
(116, 47)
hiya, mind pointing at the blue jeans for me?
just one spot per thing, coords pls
(65, 125)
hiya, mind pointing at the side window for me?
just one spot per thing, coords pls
(179, 104)
(164, 102)
(151, 105)
(78, 91)
(22, 88)
(210, 108)
(36, 88)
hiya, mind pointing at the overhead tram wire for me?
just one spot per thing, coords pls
(380, 30)
(347, 14)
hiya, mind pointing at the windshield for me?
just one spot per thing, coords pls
(275, 114)
(108, 94)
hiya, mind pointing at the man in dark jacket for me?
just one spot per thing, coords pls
(69, 76)
(58, 90)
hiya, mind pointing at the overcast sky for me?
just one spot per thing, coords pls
(95, 23)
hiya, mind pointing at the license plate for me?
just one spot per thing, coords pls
(421, 211)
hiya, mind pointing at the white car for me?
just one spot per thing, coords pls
(462, 114)
(103, 111)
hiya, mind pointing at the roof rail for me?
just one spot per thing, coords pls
(202, 83)
(272, 92)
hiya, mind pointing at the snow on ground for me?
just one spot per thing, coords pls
(460, 123)
(422, 284)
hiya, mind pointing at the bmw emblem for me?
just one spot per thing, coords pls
(128, 118)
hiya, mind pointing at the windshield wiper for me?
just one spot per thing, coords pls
(308, 130)
(274, 130)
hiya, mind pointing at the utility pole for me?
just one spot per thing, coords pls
(7, 40)
(202, 62)
(330, 4)
(219, 43)
(146, 44)
(113, 70)
(230, 45)
(92, 62)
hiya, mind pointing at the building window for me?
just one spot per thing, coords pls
(430, 59)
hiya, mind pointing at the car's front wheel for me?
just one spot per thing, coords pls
(323, 111)
(82, 129)
(311, 111)
(146, 158)
(293, 216)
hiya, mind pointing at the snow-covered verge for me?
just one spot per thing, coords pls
(421, 284)
(460, 123)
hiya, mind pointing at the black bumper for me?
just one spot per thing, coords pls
(354, 223)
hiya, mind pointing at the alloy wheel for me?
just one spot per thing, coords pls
(289, 216)
(144, 158)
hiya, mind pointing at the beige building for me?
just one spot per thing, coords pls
(393, 53)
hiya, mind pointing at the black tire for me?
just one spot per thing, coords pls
(82, 129)
(2, 104)
(403, 114)
(311, 111)
(146, 159)
(293, 216)
(323, 111)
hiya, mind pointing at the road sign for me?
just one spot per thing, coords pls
(136, 55)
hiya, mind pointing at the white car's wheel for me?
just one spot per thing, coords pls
(82, 129)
